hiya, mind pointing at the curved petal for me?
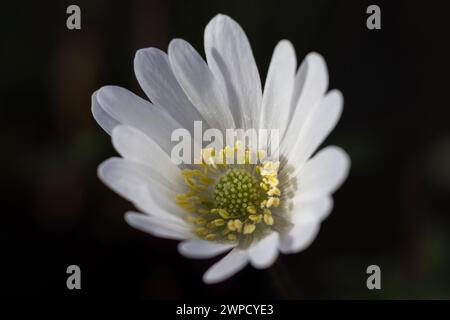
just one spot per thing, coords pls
(264, 253)
(231, 60)
(105, 121)
(232, 263)
(317, 127)
(127, 108)
(144, 174)
(135, 183)
(312, 79)
(155, 75)
(278, 88)
(318, 209)
(301, 236)
(201, 249)
(199, 84)
(133, 145)
(157, 227)
(323, 173)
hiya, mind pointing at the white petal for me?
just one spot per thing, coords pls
(157, 227)
(105, 121)
(312, 79)
(312, 83)
(133, 145)
(156, 78)
(127, 108)
(278, 88)
(232, 263)
(299, 83)
(264, 253)
(318, 209)
(231, 60)
(199, 84)
(137, 184)
(301, 236)
(153, 176)
(317, 127)
(323, 173)
(201, 249)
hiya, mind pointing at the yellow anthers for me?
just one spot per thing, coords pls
(200, 220)
(273, 181)
(192, 184)
(274, 192)
(273, 202)
(232, 237)
(268, 218)
(187, 199)
(210, 236)
(255, 217)
(183, 202)
(202, 231)
(269, 165)
(264, 186)
(218, 222)
(234, 225)
(229, 202)
(251, 209)
(223, 213)
(249, 228)
(263, 204)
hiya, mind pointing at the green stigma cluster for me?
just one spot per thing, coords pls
(228, 202)
(236, 191)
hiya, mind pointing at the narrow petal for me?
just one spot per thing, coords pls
(199, 84)
(231, 60)
(323, 173)
(157, 227)
(264, 253)
(232, 263)
(312, 83)
(300, 237)
(201, 249)
(317, 127)
(278, 88)
(105, 121)
(129, 109)
(156, 78)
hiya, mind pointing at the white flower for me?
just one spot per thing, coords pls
(252, 211)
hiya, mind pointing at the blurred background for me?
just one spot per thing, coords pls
(393, 211)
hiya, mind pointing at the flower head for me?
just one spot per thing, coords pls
(236, 197)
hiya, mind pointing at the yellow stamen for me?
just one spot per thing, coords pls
(249, 228)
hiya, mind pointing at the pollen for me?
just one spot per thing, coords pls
(227, 202)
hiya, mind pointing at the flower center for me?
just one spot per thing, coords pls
(236, 191)
(230, 202)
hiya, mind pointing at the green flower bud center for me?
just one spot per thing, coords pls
(236, 191)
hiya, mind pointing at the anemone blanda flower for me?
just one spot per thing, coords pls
(251, 211)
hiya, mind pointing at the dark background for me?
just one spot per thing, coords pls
(392, 211)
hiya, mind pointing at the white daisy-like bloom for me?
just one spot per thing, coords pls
(252, 211)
